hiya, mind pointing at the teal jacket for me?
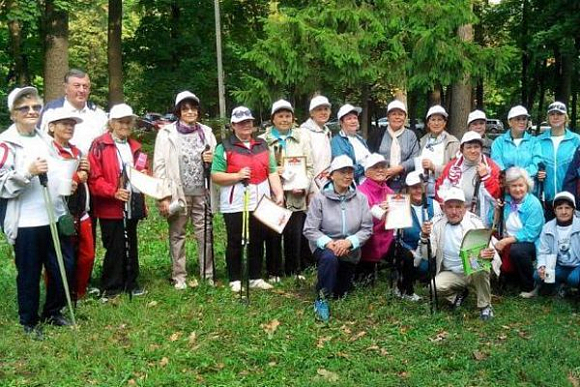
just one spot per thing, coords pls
(556, 162)
(531, 215)
(506, 154)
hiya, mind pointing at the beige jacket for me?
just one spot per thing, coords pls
(166, 162)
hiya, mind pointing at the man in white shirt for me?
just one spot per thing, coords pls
(77, 88)
(446, 233)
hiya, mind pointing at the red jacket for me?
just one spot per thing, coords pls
(105, 175)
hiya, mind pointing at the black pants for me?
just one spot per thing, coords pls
(33, 250)
(120, 269)
(234, 249)
(523, 254)
(334, 274)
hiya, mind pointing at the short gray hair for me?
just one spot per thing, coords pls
(515, 173)
(74, 73)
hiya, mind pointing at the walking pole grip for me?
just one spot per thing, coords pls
(43, 177)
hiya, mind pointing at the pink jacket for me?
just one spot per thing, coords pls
(380, 242)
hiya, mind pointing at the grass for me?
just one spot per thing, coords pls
(205, 336)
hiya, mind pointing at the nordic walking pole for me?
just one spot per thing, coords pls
(434, 303)
(207, 217)
(56, 242)
(245, 267)
(124, 181)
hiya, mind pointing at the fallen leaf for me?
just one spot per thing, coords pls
(343, 355)
(384, 352)
(479, 355)
(175, 336)
(152, 304)
(192, 338)
(244, 373)
(358, 336)
(220, 366)
(502, 337)
(164, 361)
(272, 364)
(439, 337)
(132, 382)
(193, 283)
(346, 330)
(574, 381)
(327, 375)
(270, 328)
(403, 374)
(373, 348)
(322, 340)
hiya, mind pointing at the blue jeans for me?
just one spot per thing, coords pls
(33, 250)
(564, 274)
(335, 276)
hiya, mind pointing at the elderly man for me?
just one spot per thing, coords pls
(77, 88)
(446, 234)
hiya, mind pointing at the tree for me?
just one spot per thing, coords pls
(115, 51)
(55, 49)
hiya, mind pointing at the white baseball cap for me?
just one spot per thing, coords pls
(471, 136)
(374, 159)
(339, 162)
(567, 196)
(475, 115)
(413, 178)
(436, 109)
(317, 101)
(185, 95)
(347, 108)
(241, 113)
(121, 110)
(62, 114)
(557, 107)
(281, 104)
(454, 193)
(517, 111)
(17, 92)
(396, 104)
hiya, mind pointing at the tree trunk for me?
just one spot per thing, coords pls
(435, 97)
(479, 94)
(55, 50)
(566, 68)
(461, 92)
(365, 119)
(20, 74)
(115, 52)
(524, 48)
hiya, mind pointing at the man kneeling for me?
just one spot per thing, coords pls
(446, 233)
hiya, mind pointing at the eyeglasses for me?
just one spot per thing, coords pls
(241, 113)
(26, 108)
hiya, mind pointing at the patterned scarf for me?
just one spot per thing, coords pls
(187, 129)
(456, 170)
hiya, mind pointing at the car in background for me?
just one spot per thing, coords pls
(154, 121)
(494, 127)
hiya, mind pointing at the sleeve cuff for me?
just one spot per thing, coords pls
(322, 241)
(354, 240)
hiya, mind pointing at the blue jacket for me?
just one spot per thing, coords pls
(556, 162)
(549, 244)
(340, 145)
(506, 154)
(572, 178)
(531, 215)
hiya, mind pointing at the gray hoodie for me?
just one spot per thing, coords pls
(332, 216)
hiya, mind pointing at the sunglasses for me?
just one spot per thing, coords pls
(26, 108)
(241, 113)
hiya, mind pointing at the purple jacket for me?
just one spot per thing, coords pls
(380, 242)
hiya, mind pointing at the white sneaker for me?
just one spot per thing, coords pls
(413, 297)
(180, 285)
(236, 286)
(260, 284)
(301, 277)
(274, 279)
(531, 294)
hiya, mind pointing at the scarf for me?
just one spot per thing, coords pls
(456, 170)
(395, 146)
(281, 138)
(187, 129)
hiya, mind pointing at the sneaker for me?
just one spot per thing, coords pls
(411, 297)
(95, 292)
(236, 286)
(486, 313)
(260, 284)
(58, 320)
(180, 285)
(274, 279)
(531, 294)
(301, 277)
(321, 310)
(34, 332)
(138, 292)
(460, 299)
(397, 292)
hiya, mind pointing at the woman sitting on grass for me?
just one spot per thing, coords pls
(337, 224)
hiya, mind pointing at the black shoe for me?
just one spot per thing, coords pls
(460, 299)
(58, 320)
(34, 332)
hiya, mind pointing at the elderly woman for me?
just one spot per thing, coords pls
(556, 149)
(476, 174)
(397, 144)
(117, 205)
(477, 122)
(286, 141)
(516, 147)
(376, 190)
(560, 237)
(24, 156)
(61, 126)
(242, 163)
(348, 142)
(337, 225)
(523, 217)
(437, 147)
(183, 154)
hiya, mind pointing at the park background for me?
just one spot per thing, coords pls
(463, 54)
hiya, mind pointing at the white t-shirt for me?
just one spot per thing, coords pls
(513, 223)
(518, 141)
(556, 140)
(451, 245)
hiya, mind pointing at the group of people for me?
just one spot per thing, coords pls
(338, 211)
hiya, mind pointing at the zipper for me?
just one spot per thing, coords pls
(343, 215)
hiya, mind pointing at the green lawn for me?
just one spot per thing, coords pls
(205, 336)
